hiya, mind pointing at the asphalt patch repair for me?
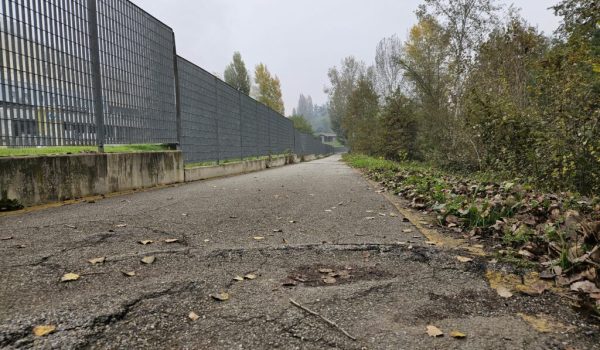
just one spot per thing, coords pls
(388, 286)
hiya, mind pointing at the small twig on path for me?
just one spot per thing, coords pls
(331, 323)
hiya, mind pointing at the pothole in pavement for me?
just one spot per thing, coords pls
(321, 275)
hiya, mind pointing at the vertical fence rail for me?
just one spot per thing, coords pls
(96, 72)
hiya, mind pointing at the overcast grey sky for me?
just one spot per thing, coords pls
(297, 39)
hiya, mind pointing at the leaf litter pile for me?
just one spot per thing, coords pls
(557, 234)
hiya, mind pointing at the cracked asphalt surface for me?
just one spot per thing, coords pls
(314, 215)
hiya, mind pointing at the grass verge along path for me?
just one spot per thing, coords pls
(554, 234)
(52, 150)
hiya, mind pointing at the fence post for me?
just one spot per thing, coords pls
(269, 133)
(177, 96)
(96, 74)
(217, 119)
(241, 130)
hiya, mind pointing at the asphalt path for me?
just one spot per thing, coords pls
(315, 232)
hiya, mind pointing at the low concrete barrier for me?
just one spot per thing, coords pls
(246, 166)
(209, 172)
(277, 162)
(45, 179)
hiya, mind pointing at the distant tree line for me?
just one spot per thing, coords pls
(475, 87)
(317, 116)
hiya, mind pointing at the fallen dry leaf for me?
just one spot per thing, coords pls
(258, 238)
(128, 273)
(344, 274)
(329, 280)
(223, 296)
(250, 276)
(122, 225)
(324, 270)
(148, 259)
(526, 254)
(547, 275)
(408, 230)
(533, 289)
(68, 277)
(40, 331)
(463, 259)
(458, 335)
(171, 240)
(328, 210)
(433, 331)
(146, 242)
(504, 292)
(193, 316)
(99, 260)
(585, 286)
(277, 230)
(238, 278)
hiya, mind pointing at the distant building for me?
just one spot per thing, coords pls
(327, 137)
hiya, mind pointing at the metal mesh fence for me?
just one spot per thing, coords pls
(94, 72)
(219, 122)
(138, 75)
(45, 79)
(46, 91)
(309, 144)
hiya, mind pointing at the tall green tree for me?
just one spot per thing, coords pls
(498, 103)
(343, 81)
(568, 96)
(466, 24)
(301, 124)
(425, 66)
(269, 88)
(360, 121)
(398, 123)
(236, 74)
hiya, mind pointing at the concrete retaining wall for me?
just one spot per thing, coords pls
(247, 166)
(209, 172)
(44, 179)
